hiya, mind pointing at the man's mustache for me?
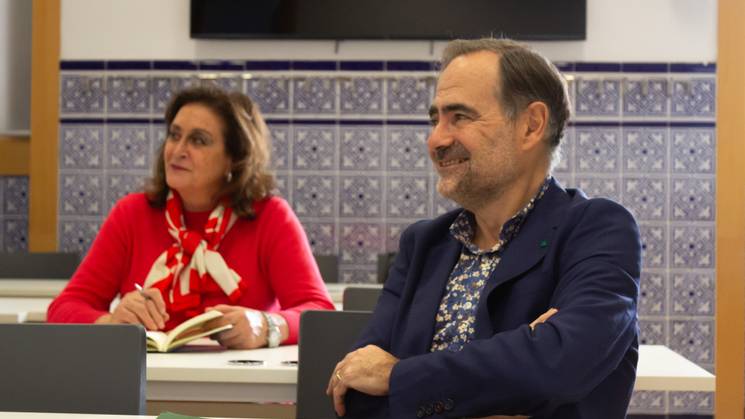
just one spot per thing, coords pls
(451, 152)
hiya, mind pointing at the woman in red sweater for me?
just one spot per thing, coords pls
(207, 233)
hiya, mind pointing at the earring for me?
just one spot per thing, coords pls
(229, 176)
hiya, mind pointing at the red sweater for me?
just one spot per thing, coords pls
(270, 253)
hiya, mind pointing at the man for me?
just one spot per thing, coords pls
(524, 301)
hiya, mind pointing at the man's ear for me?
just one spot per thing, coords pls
(533, 124)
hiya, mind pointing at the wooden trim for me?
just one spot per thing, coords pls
(15, 152)
(730, 215)
(45, 58)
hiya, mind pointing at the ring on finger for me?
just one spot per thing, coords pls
(338, 375)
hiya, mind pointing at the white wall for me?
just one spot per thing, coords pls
(15, 65)
(617, 30)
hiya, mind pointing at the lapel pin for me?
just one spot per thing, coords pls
(543, 243)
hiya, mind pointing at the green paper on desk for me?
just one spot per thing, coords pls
(171, 415)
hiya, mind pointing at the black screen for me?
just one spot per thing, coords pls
(389, 19)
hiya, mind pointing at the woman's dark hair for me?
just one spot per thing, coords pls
(246, 143)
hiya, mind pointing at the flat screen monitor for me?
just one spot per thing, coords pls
(389, 19)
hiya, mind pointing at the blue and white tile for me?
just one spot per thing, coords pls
(361, 196)
(408, 196)
(119, 185)
(15, 196)
(165, 86)
(128, 146)
(693, 150)
(360, 243)
(688, 402)
(361, 148)
(693, 293)
(654, 245)
(356, 275)
(693, 339)
(314, 147)
(81, 146)
(228, 83)
(597, 149)
(361, 96)
(280, 135)
(81, 194)
(693, 199)
(393, 230)
(646, 197)
(599, 186)
(440, 204)
(648, 402)
(76, 235)
(314, 195)
(314, 95)
(409, 95)
(652, 331)
(694, 97)
(15, 234)
(645, 150)
(564, 154)
(128, 95)
(282, 185)
(82, 94)
(322, 236)
(653, 293)
(692, 246)
(645, 98)
(598, 97)
(272, 94)
(407, 148)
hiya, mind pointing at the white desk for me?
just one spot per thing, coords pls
(209, 376)
(21, 309)
(660, 368)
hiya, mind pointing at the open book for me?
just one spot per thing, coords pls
(190, 330)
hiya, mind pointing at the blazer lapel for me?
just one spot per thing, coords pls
(436, 267)
(526, 249)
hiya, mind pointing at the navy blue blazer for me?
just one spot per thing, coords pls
(579, 255)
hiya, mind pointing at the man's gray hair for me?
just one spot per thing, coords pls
(526, 77)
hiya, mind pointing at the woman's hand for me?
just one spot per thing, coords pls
(249, 327)
(144, 307)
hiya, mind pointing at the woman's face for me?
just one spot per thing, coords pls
(196, 162)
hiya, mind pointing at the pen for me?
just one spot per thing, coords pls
(142, 292)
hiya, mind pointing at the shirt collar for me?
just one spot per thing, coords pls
(463, 227)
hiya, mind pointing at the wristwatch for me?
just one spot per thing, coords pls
(272, 331)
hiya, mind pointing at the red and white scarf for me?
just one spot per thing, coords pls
(191, 266)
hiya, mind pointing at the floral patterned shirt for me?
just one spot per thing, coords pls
(457, 312)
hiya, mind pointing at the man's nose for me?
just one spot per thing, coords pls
(440, 136)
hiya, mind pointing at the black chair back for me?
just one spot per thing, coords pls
(325, 338)
(329, 267)
(65, 368)
(38, 265)
(360, 298)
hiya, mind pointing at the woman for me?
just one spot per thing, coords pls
(207, 233)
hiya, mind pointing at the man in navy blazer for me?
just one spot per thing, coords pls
(524, 301)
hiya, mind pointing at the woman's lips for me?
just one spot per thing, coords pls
(177, 167)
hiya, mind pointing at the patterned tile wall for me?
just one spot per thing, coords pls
(349, 153)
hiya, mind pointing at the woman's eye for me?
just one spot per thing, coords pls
(172, 135)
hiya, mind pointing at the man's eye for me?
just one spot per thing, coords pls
(433, 122)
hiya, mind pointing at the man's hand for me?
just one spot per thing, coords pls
(543, 317)
(367, 370)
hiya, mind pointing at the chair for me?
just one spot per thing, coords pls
(64, 368)
(329, 267)
(325, 338)
(38, 265)
(385, 260)
(360, 298)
